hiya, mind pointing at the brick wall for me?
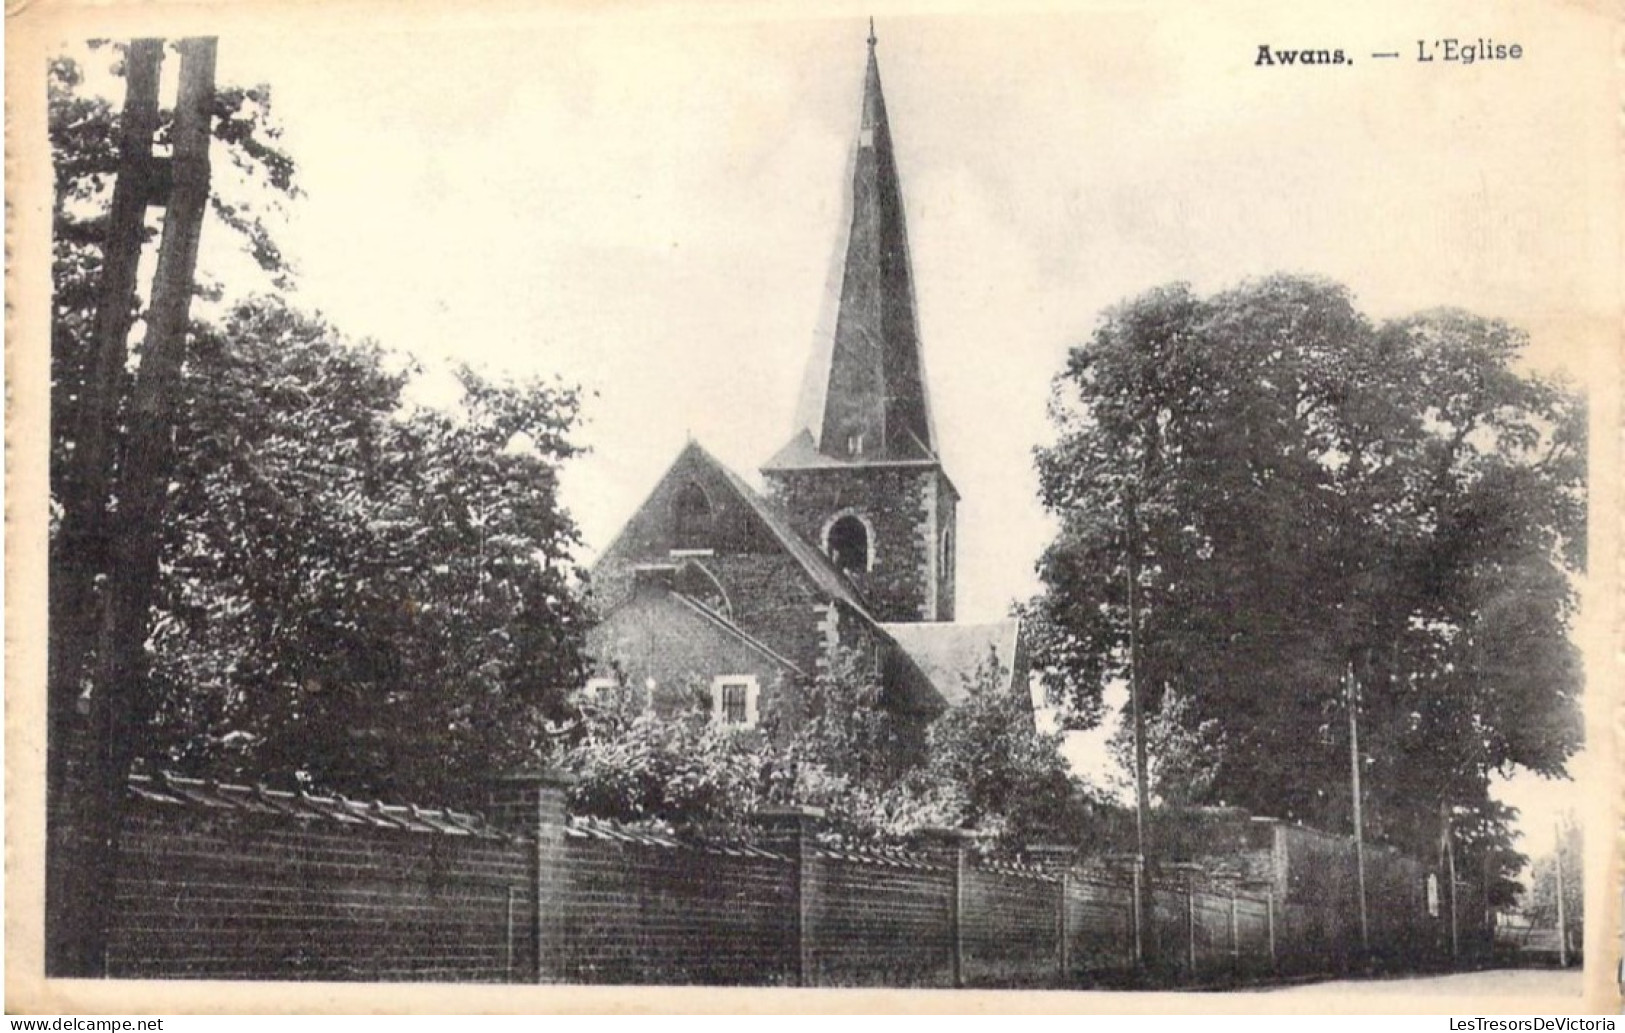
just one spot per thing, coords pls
(232, 882)
(874, 921)
(1011, 927)
(656, 636)
(773, 601)
(1099, 925)
(650, 913)
(265, 896)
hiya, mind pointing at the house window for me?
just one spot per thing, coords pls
(734, 700)
(847, 543)
(691, 518)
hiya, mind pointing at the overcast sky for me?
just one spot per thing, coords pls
(645, 203)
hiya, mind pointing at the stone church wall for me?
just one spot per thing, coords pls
(897, 503)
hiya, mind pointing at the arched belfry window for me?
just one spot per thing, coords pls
(847, 543)
(691, 518)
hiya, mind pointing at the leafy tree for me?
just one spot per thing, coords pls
(1484, 838)
(354, 592)
(836, 745)
(360, 595)
(1182, 752)
(838, 722)
(1010, 776)
(1299, 495)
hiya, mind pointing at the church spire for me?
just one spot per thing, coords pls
(861, 479)
(875, 405)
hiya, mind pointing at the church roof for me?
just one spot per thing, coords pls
(949, 653)
(869, 399)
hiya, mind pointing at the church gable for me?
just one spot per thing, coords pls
(695, 509)
(716, 541)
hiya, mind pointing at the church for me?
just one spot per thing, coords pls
(737, 593)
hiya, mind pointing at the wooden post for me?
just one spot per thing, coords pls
(1139, 917)
(1142, 792)
(959, 915)
(1359, 825)
(1450, 870)
(1064, 953)
(1269, 915)
(1235, 933)
(1562, 916)
(76, 821)
(1190, 922)
(121, 702)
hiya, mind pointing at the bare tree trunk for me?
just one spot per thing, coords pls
(122, 707)
(80, 552)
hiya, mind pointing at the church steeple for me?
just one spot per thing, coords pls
(874, 397)
(861, 478)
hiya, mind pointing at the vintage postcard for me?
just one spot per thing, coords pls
(717, 506)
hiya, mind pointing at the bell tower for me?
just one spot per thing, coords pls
(861, 478)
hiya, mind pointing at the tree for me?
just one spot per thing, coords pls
(361, 596)
(354, 593)
(1010, 776)
(1305, 494)
(1182, 752)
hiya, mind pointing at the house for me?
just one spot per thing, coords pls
(739, 592)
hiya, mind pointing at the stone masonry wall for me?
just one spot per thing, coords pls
(899, 503)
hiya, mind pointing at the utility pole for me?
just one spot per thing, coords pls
(82, 548)
(121, 703)
(1142, 794)
(1450, 872)
(1359, 818)
(1562, 917)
